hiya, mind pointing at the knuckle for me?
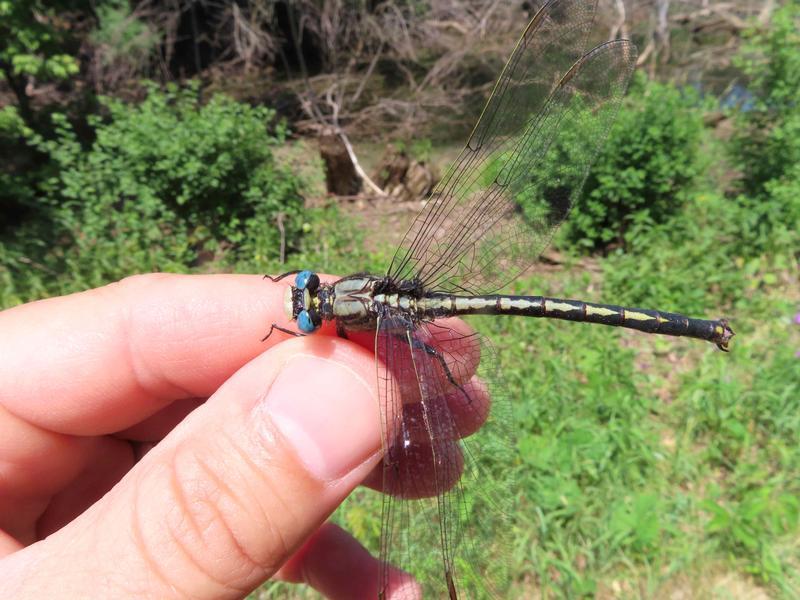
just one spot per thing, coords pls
(223, 513)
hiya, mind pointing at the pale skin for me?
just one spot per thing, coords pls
(151, 445)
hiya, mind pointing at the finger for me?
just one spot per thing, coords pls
(112, 459)
(418, 470)
(459, 414)
(47, 478)
(103, 360)
(224, 500)
(469, 406)
(337, 566)
(156, 427)
(34, 466)
(465, 415)
(8, 544)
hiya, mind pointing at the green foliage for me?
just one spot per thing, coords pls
(330, 243)
(163, 183)
(771, 217)
(36, 42)
(766, 147)
(586, 448)
(11, 125)
(768, 142)
(748, 427)
(418, 149)
(35, 38)
(615, 484)
(727, 248)
(710, 245)
(17, 193)
(642, 174)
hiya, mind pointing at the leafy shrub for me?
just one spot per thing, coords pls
(770, 219)
(162, 182)
(16, 188)
(697, 262)
(732, 245)
(766, 147)
(768, 140)
(38, 44)
(642, 174)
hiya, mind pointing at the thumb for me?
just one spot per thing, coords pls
(223, 501)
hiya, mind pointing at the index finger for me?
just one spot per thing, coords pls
(99, 361)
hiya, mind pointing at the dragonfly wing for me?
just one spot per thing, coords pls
(497, 207)
(442, 512)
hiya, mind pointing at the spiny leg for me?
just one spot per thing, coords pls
(284, 330)
(431, 351)
(281, 276)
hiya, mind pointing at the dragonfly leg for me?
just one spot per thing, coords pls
(451, 586)
(279, 328)
(431, 351)
(281, 276)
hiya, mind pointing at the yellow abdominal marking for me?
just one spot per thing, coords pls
(467, 303)
(435, 303)
(636, 316)
(600, 311)
(559, 306)
(518, 304)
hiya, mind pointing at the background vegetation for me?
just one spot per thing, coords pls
(644, 467)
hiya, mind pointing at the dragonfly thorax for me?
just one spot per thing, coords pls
(356, 302)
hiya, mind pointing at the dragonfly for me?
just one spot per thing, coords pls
(490, 216)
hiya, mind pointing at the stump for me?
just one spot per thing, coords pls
(340, 174)
(402, 177)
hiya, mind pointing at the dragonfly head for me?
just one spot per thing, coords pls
(300, 302)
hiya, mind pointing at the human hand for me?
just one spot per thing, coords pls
(95, 495)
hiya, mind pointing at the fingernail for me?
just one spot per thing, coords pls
(328, 413)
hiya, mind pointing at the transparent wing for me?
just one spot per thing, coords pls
(497, 207)
(443, 509)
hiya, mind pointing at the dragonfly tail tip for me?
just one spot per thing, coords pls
(724, 337)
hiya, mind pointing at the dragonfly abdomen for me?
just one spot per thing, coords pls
(648, 321)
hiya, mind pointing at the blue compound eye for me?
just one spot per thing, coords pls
(308, 321)
(303, 278)
(307, 280)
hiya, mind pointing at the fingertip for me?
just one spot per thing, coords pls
(339, 567)
(324, 402)
(470, 406)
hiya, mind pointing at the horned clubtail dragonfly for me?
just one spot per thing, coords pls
(493, 212)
